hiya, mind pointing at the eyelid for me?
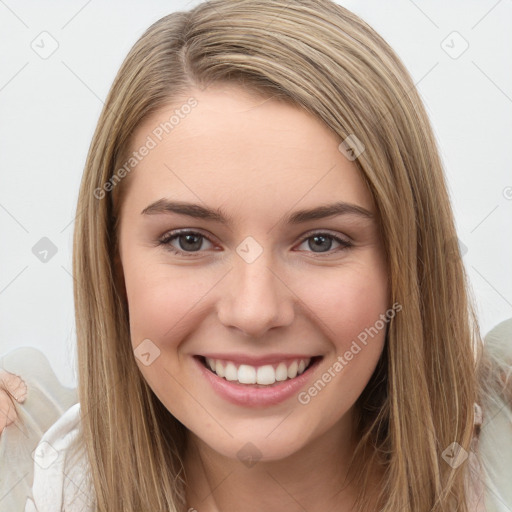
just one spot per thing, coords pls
(185, 231)
(334, 234)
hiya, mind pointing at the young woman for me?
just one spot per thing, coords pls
(272, 312)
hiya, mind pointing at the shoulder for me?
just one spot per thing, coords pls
(495, 453)
(495, 438)
(60, 469)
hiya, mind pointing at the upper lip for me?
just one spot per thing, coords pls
(258, 360)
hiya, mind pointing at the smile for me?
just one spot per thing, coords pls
(264, 375)
(246, 389)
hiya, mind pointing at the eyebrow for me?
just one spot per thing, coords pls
(165, 206)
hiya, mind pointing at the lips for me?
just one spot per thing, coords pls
(257, 395)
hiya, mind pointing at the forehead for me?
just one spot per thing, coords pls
(232, 146)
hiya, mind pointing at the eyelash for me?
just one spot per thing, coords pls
(169, 237)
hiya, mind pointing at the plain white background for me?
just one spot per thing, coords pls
(50, 106)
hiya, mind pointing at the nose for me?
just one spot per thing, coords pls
(255, 298)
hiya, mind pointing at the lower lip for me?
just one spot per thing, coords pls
(251, 396)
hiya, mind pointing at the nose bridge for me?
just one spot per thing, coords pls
(255, 299)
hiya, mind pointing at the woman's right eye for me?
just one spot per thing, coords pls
(189, 242)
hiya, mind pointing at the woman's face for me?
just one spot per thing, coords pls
(266, 275)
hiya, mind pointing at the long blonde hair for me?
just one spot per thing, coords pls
(322, 58)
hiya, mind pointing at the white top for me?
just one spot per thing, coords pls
(45, 402)
(61, 474)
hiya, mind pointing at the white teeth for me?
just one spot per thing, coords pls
(246, 374)
(292, 370)
(219, 369)
(231, 372)
(264, 375)
(281, 372)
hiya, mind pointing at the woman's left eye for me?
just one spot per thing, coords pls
(190, 242)
(319, 240)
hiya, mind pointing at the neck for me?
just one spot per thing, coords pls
(311, 479)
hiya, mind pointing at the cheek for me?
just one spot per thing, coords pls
(162, 307)
(351, 311)
(160, 301)
(348, 301)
